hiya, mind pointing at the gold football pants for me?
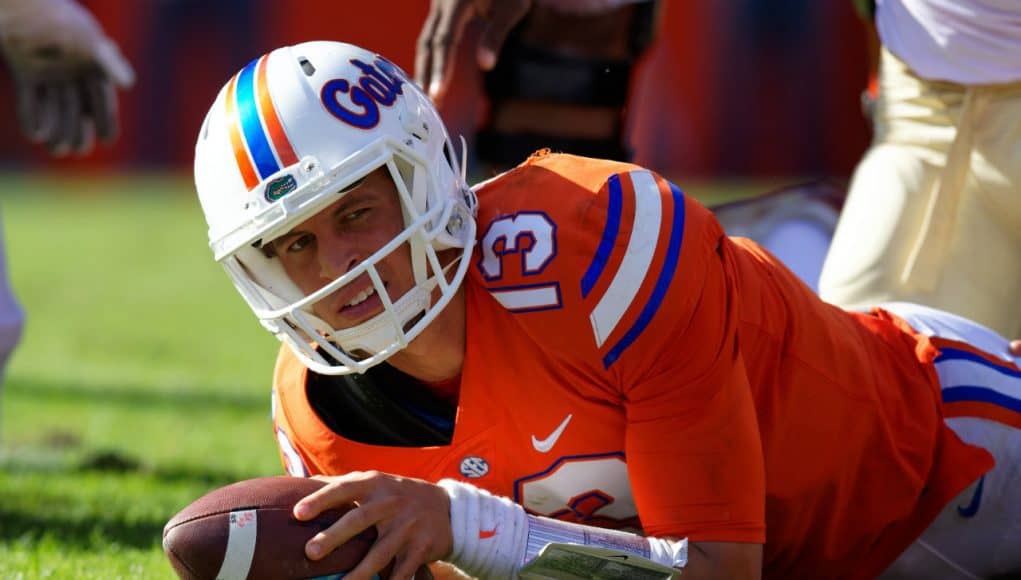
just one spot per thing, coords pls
(933, 213)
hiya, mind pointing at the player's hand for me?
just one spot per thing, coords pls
(66, 72)
(411, 516)
(1015, 347)
(441, 35)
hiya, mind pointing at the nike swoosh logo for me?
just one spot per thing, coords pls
(544, 445)
(971, 509)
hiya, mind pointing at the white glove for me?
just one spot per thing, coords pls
(66, 71)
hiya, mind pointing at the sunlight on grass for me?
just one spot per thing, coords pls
(120, 284)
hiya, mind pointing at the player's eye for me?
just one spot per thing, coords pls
(300, 243)
(355, 214)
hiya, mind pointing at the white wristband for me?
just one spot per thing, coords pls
(494, 537)
(489, 531)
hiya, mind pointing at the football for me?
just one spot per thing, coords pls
(246, 530)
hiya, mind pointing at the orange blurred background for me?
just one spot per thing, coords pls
(742, 88)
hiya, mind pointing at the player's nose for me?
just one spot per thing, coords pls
(336, 258)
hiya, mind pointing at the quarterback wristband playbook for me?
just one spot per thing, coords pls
(495, 538)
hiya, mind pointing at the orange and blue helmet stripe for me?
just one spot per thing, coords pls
(260, 144)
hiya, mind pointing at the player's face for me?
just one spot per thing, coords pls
(338, 238)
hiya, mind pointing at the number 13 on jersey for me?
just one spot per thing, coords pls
(531, 237)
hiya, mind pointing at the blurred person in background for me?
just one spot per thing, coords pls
(66, 73)
(556, 73)
(933, 213)
(559, 74)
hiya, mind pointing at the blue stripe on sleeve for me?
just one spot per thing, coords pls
(666, 276)
(610, 232)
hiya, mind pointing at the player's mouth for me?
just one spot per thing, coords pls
(360, 305)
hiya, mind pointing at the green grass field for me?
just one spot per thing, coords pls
(142, 381)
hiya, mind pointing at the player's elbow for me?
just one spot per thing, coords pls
(723, 560)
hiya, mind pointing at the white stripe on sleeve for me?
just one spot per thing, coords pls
(640, 250)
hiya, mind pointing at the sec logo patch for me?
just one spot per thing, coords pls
(474, 467)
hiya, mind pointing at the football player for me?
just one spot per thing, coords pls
(573, 353)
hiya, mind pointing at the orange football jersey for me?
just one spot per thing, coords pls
(628, 365)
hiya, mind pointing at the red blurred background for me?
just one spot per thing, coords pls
(742, 88)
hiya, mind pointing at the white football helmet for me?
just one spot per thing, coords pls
(284, 139)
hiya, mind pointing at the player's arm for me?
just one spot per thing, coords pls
(484, 535)
(693, 448)
(495, 537)
(723, 560)
(490, 536)
(441, 34)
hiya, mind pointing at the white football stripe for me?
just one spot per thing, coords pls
(240, 545)
(963, 372)
(640, 249)
(529, 298)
